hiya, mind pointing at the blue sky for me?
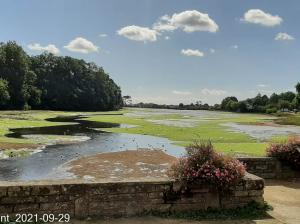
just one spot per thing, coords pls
(233, 50)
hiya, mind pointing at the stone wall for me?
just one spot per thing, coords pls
(83, 200)
(268, 168)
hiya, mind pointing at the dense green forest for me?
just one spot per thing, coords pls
(286, 101)
(53, 82)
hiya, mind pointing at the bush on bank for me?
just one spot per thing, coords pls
(288, 153)
(203, 164)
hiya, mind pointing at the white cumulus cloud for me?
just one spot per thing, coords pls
(51, 48)
(138, 33)
(81, 45)
(257, 16)
(284, 37)
(191, 52)
(213, 92)
(184, 93)
(189, 21)
(164, 24)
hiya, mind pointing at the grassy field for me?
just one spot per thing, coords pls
(210, 129)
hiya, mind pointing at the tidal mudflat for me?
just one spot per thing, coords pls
(131, 165)
(49, 139)
(233, 133)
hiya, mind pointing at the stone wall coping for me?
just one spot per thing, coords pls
(166, 181)
(250, 176)
(269, 167)
(255, 158)
(78, 182)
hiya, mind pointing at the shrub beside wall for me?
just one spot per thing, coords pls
(202, 164)
(288, 153)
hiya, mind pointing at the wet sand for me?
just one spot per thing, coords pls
(142, 164)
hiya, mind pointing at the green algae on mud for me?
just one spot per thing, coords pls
(183, 131)
(288, 119)
(223, 139)
(29, 119)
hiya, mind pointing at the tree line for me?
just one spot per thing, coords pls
(286, 101)
(53, 82)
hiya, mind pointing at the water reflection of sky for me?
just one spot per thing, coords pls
(38, 166)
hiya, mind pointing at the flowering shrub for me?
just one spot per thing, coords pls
(202, 164)
(288, 153)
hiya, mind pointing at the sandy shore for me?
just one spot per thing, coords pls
(142, 164)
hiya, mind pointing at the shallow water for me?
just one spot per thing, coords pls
(198, 114)
(189, 123)
(45, 164)
(263, 132)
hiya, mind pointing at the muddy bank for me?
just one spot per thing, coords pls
(9, 150)
(18, 146)
(295, 138)
(141, 164)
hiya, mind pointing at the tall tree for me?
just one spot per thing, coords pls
(225, 105)
(72, 84)
(4, 93)
(288, 96)
(14, 66)
(298, 87)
